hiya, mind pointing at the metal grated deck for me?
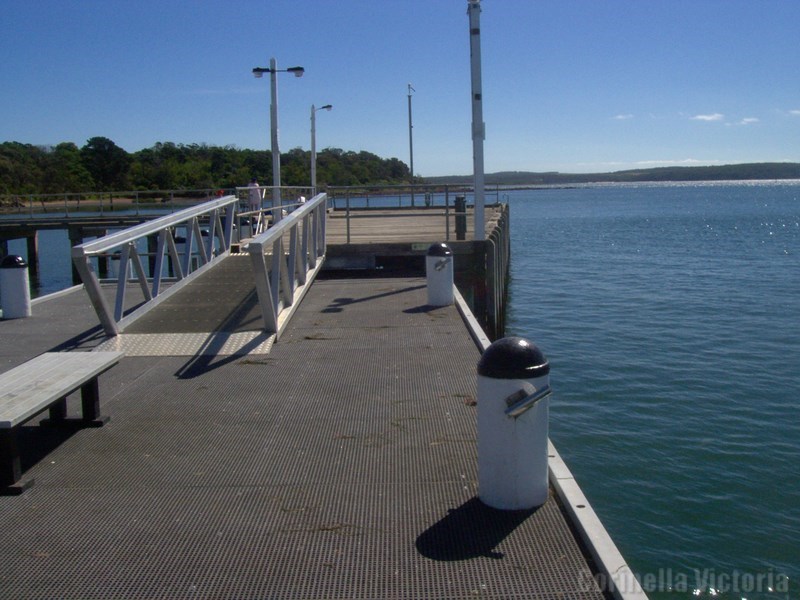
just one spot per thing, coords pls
(340, 465)
(190, 344)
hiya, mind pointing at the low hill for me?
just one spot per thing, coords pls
(740, 172)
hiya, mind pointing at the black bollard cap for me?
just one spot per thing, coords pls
(513, 358)
(440, 250)
(13, 262)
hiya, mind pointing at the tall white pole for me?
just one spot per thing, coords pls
(478, 126)
(276, 153)
(314, 110)
(410, 136)
(313, 151)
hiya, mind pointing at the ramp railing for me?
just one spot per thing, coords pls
(286, 258)
(179, 247)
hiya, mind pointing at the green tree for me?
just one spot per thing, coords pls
(64, 171)
(20, 168)
(296, 167)
(107, 163)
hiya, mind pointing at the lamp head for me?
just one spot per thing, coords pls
(258, 72)
(326, 107)
(298, 71)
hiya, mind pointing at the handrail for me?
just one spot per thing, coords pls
(437, 199)
(282, 284)
(194, 257)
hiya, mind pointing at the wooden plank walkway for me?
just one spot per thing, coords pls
(339, 465)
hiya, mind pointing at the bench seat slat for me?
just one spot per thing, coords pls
(31, 387)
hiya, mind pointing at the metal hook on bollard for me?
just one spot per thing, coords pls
(524, 399)
(441, 264)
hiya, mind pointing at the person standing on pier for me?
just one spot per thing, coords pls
(254, 195)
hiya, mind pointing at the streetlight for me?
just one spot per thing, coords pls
(314, 145)
(411, 142)
(273, 113)
(410, 138)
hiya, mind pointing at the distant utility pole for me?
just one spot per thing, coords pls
(478, 126)
(410, 137)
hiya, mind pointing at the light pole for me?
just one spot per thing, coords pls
(410, 137)
(411, 143)
(273, 114)
(314, 145)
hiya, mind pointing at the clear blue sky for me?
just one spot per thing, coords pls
(569, 85)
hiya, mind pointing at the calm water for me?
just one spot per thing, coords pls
(671, 318)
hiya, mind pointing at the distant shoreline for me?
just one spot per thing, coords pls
(737, 172)
(595, 184)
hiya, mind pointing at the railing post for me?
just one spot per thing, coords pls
(446, 213)
(323, 228)
(292, 260)
(304, 245)
(277, 274)
(347, 215)
(263, 287)
(158, 264)
(92, 286)
(230, 216)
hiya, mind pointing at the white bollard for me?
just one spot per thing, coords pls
(439, 274)
(513, 407)
(15, 292)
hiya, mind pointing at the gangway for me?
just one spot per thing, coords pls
(209, 232)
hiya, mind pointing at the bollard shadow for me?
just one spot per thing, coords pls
(472, 530)
(423, 309)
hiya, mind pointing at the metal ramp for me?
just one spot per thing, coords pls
(215, 314)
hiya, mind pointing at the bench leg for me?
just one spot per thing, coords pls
(90, 410)
(58, 410)
(10, 464)
(9, 453)
(90, 403)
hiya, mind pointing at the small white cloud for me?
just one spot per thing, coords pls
(622, 117)
(795, 113)
(749, 121)
(712, 117)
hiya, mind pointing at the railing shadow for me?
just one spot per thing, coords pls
(338, 304)
(208, 356)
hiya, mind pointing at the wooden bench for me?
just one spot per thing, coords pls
(41, 383)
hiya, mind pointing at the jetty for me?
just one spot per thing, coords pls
(324, 450)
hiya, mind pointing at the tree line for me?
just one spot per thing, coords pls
(101, 165)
